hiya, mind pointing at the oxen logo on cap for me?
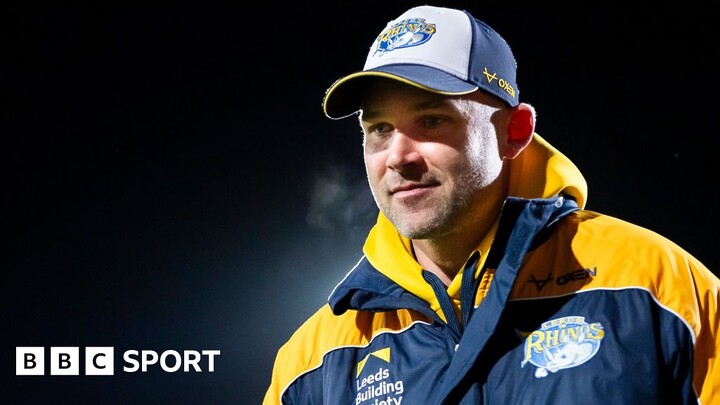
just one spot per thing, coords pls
(404, 34)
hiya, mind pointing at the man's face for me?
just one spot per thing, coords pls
(432, 161)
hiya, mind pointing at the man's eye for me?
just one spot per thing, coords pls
(380, 129)
(433, 122)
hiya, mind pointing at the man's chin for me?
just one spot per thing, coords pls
(415, 226)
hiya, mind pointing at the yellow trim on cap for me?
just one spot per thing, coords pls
(371, 73)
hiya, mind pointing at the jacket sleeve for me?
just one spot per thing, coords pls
(279, 379)
(300, 355)
(706, 362)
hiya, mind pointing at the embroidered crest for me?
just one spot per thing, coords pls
(404, 34)
(562, 343)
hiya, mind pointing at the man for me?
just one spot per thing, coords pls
(484, 280)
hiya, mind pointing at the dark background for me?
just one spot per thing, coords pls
(170, 182)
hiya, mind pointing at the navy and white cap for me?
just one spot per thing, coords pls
(442, 50)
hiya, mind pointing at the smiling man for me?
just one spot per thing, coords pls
(485, 280)
(435, 168)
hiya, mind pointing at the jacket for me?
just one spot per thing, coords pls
(557, 305)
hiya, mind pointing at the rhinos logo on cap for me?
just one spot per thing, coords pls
(406, 33)
(562, 343)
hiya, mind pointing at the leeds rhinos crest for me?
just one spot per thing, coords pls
(562, 343)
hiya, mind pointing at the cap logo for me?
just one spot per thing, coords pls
(504, 84)
(404, 34)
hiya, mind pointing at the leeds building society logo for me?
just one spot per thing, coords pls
(101, 360)
(406, 33)
(377, 385)
(562, 343)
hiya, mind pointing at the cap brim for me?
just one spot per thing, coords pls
(343, 98)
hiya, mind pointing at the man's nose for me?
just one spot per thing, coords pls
(403, 151)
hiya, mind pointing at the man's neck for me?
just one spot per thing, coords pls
(436, 260)
(446, 256)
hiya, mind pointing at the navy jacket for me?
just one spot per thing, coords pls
(558, 305)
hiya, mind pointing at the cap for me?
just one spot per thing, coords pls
(442, 50)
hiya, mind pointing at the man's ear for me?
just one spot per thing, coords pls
(520, 129)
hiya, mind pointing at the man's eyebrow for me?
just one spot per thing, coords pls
(420, 106)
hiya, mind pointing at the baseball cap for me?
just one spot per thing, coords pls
(442, 50)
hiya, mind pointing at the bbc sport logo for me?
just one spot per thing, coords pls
(100, 360)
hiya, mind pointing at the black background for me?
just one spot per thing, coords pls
(170, 181)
